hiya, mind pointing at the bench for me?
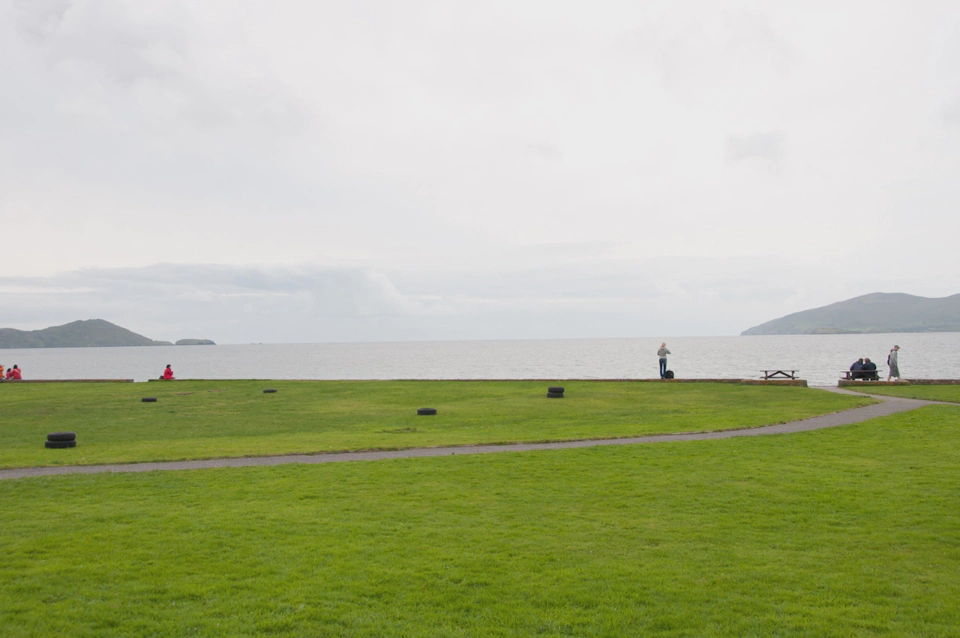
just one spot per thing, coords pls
(779, 374)
(861, 375)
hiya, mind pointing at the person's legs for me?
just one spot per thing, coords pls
(663, 367)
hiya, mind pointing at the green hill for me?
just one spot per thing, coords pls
(876, 312)
(78, 334)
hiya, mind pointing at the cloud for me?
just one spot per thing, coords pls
(546, 150)
(951, 113)
(468, 170)
(599, 296)
(695, 48)
(235, 303)
(767, 147)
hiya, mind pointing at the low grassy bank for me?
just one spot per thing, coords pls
(850, 531)
(208, 419)
(930, 392)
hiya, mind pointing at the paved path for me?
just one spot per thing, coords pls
(888, 405)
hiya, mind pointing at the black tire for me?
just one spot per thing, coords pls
(149, 399)
(426, 411)
(62, 436)
(555, 388)
(554, 395)
(59, 444)
(270, 391)
(668, 374)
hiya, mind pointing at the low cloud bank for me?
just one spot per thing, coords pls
(281, 304)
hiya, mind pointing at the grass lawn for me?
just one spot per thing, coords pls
(931, 392)
(208, 419)
(851, 531)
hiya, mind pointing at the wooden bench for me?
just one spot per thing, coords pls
(864, 375)
(779, 374)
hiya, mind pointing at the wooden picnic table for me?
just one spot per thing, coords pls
(861, 375)
(779, 374)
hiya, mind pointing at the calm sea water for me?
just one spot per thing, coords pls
(819, 358)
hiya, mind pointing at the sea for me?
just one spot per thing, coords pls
(818, 358)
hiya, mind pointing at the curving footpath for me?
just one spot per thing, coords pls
(887, 406)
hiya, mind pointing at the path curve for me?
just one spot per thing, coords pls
(887, 405)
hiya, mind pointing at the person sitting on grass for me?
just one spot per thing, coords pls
(869, 370)
(14, 373)
(1, 372)
(168, 374)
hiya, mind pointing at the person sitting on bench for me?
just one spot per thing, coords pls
(869, 370)
(856, 370)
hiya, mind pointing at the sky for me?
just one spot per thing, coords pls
(378, 171)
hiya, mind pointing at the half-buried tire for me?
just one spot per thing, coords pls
(554, 395)
(59, 444)
(270, 391)
(426, 411)
(555, 388)
(149, 399)
(62, 436)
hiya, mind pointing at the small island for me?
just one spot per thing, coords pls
(90, 333)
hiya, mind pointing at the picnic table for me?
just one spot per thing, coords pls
(861, 375)
(779, 374)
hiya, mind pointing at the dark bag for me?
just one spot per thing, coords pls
(668, 374)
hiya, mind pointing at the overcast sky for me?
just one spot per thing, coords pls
(325, 171)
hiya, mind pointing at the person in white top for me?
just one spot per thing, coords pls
(893, 363)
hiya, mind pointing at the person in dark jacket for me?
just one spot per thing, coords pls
(870, 370)
(857, 369)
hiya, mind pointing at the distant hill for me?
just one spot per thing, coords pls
(876, 312)
(78, 334)
(195, 342)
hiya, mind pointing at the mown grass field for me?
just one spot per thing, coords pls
(209, 419)
(851, 531)
(930, 392)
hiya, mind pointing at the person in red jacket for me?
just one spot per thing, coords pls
(14, 373)
(167, 374)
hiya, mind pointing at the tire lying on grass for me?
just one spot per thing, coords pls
(426, 411)
(59, 444)
(270, 391)
(62, 436)
(149, 399)
(554, 395)
(555, 388)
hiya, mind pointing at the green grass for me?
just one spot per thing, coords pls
(931, 392)
(851, 531)
(208, 419)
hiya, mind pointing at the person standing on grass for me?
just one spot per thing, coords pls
(662, 353)
(893, 363)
